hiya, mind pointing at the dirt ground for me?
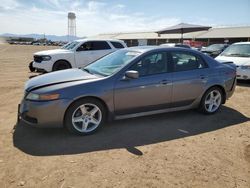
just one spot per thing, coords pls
(182, 149)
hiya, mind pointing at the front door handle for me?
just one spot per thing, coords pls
(164, 82)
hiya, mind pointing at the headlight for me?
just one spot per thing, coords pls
(46, 58)
(42, 97)
(245, 67)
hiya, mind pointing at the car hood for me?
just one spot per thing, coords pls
(237, 60)
(58, 77)
(52, 52)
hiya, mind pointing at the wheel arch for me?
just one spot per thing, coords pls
(221, 88)
(62, 60)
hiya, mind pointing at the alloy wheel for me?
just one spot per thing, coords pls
(213, 101)
(86, 118)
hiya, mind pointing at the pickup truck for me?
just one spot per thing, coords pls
(75, 54)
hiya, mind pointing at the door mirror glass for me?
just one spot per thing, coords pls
(131, 74)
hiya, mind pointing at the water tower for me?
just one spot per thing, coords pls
(71, 26)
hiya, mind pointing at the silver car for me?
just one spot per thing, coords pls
(128, 83)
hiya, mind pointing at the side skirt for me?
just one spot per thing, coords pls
(126, 116)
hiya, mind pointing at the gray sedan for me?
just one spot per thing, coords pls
(128, 83)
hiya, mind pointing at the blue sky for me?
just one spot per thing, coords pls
(100, 16)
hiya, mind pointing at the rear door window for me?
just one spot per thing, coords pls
(117, 44)
(100, 45)
(185, 61)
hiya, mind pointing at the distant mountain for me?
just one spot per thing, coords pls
(39, 36)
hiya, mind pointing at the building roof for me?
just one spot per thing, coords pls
(226, 32)
(147, 35)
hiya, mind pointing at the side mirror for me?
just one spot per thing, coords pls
(131, 74)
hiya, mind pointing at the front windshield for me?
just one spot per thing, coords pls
(70, 45)
(240, 50)
(111, 63)
(215, 47)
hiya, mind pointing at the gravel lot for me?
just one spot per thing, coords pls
(182, 149)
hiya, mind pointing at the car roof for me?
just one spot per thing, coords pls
(143, 49)
(242, 43)
(95, 39)
(219, 44)
(168, 44)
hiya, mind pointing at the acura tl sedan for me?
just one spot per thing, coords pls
(128, 83)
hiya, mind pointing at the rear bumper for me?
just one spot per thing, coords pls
(43, 114)
(243, 74)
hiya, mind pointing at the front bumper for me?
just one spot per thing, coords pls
(43, 113)
(45, 66)
(243, 74)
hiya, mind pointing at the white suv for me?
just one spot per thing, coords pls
(239, 53)
(78, 53)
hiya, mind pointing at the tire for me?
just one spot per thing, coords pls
(211, 101)
(32, 69)
(61, 65)
(85, 116)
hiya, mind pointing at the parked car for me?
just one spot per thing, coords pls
(239, 53)
(198, 48)
(128, 83)
(175, 45)
(78, 53)
(214, 50)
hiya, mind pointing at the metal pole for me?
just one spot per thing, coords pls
(182, 35)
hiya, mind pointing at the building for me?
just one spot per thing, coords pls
(213, 35)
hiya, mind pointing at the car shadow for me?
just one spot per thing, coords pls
(127, 134)
(244, 83)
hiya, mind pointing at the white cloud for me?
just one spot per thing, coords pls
(8, 4)
(93, 17)
(95, 6)
(120, 6)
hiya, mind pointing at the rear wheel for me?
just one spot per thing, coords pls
(61, 65)
(211, 100)
(85, 116)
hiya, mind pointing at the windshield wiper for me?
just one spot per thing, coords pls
(87, 70)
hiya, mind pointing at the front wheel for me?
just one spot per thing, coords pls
(61, 65)
(211, 101)
(32, 69)
(85, 116)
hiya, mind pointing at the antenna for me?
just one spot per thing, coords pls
(71, 26)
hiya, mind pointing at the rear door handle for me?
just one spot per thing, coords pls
(203, 76)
